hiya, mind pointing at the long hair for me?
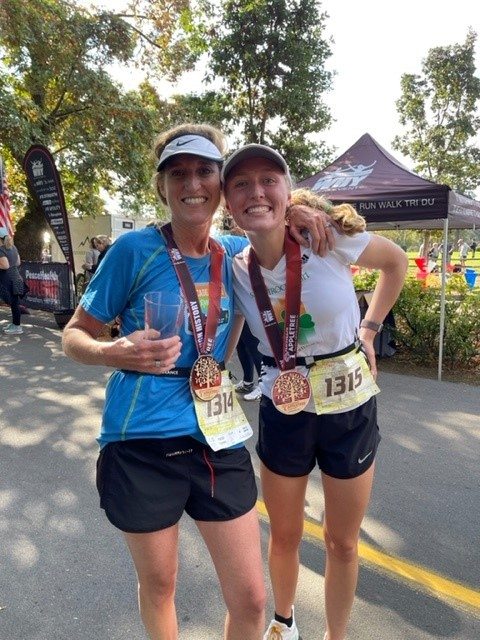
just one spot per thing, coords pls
(344, 214)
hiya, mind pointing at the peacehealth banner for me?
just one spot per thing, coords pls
(45, 183)
(48, 284)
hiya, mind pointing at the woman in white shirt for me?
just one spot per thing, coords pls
(318, 404)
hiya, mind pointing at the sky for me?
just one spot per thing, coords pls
(375, 42)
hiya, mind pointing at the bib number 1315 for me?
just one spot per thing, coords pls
(344, 383)
(220, 404)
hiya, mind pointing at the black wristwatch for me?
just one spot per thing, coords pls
(374, 326)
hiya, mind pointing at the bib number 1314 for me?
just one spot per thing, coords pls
(344, 383)
(220, 404)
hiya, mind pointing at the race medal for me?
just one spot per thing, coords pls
(291, 389)
(205, 378)
(291, 392)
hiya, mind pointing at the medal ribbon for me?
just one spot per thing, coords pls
(203, 330)
(284, 349)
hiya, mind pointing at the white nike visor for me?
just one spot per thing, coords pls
(195, 145)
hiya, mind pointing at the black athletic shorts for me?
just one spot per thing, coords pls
(145, 485)
(343, 444)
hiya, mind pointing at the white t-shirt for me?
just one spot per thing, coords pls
(329, 311)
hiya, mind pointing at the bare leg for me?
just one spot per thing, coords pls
(285, 501)
(345, 504)
(156, 561)
(235, 549)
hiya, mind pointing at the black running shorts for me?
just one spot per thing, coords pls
(145, 485)
(342, 444)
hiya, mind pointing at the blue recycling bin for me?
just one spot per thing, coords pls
(470, 277)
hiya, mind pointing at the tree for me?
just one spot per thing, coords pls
(171, 35)
(264, 59)
(55, 90)
(440, 110)
(269, 56)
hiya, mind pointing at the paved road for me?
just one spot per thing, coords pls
(65, 574)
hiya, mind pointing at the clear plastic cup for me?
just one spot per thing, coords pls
(164, 313)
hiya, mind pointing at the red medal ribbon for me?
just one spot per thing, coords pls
(203, 330)
(284, 349)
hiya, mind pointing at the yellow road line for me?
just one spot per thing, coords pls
(407, 570)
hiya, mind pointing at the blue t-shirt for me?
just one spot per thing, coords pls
(141, 405)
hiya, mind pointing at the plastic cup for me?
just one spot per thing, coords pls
(164, 313)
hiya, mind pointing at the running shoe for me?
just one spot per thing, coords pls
(279, 631)
(13, 329)
(244, 387)
(256, 394)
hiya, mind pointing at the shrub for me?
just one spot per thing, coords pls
(365, 281)
(417, 318)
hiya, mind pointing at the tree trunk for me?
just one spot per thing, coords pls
(426, 243)
(29, 233)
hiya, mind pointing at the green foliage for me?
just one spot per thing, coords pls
(171, 35)
(439, 110)
(365, 281)
(417, 317)
(269, 56)
(462, 333)
(55, 90)
(456, 285)
(264, 59)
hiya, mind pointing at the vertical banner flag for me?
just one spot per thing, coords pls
(5, 219)
(44, 180)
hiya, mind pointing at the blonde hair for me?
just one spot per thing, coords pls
(105, 240)
(205, 130)
(344, 214)
(8, 242)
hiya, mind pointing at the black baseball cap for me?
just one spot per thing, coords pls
(253, 151)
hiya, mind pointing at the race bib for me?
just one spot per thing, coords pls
(221, 419)
(341, 383)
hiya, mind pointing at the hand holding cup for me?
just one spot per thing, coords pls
(164, 313)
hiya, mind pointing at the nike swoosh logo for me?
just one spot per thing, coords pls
(360, 460)
(180, 144)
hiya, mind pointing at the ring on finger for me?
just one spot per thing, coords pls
(158, 364)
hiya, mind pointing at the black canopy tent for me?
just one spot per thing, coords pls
(390, 196)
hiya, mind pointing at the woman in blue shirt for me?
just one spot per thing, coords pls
(156, 461)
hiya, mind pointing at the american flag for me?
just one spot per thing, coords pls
(5, 219)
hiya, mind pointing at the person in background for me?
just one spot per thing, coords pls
(463, 250)
(91, 259)
(434, 252)
(473, 247)
(251, 362)
(102, 245)
(318, 404)
(11, 281)
(156, 461)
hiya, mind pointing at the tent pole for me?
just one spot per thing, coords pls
(442, 297)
